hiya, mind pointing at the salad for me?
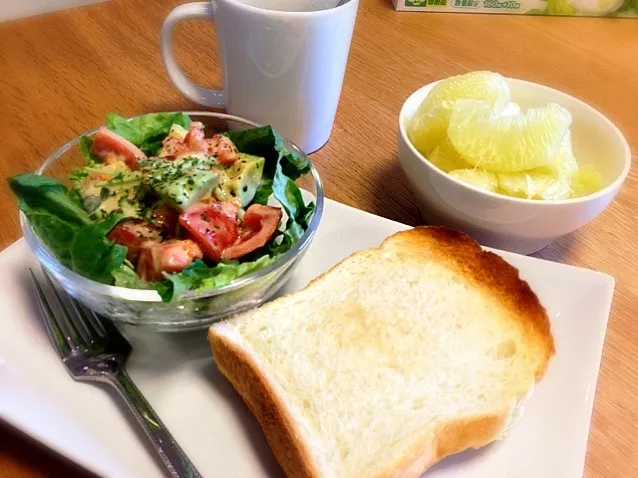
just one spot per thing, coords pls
(161, 205)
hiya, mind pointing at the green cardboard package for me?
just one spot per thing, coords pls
(584, 8)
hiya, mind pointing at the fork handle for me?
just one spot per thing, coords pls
(171, 454)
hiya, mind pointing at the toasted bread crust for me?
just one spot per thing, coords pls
(448, 439)
(485, 269)
(271, 413)
(279, 428)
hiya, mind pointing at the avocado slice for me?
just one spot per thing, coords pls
(178, 131)
(240, 179)
(108, 188)
(123, 200)
(181, 182)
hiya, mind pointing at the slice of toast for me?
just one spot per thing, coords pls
(394, 359)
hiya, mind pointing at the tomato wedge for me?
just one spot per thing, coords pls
(133, 234)
(222, 148)
(165, 218)
(170, 256)
(229, 208)
(111, 147)
(172, 147)
(212, 226)
(192, 144)
(195, 137)
(260, 224)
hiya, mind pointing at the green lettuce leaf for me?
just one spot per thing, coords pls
(66, 229)
(125, 276)
(267, 143)
(201, 277)
(289, 195)
(93, 255)
(226, 272)
(299, 213)
(281, 169)
(47, 195)
(79, 174)
(258, 142)
(284, 241)
(56, 233)
(292, 163)
(310, 210)
(147, 131)
(264, 191)
(86, 144)
(76, 197)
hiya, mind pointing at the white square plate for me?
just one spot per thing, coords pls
(85, 422)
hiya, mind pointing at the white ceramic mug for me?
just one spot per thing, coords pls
(279, 66)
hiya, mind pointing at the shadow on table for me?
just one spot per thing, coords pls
(562, 250)
(392, 197)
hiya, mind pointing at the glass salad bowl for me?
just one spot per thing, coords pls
(192, 309)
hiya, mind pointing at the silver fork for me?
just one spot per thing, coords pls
(93, 349)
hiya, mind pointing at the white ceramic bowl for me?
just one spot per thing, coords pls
(518, 225)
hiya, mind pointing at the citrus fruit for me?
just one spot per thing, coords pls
(446, 158)
(481, 179)
(478, 85)
(428, 130)
(586, 180)
(529, 185)
(512, 109)
(507, 144)
(564, 164)
(429, 124)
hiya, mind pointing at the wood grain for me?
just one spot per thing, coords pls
(61, 73)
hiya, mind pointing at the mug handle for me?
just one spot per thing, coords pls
(194, 92)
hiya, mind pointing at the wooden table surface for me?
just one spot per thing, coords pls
(61, 73)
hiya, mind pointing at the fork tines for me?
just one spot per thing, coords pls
(71, 326)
